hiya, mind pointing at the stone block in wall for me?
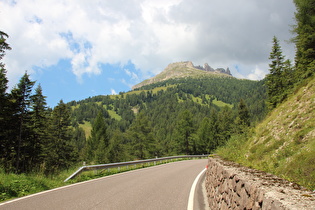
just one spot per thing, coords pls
(230, 186)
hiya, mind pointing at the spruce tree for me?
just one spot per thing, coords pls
(5, 123)
(274, 82)
(305, 38)
(3, 44)
(39, 126)
(117, 149)
(141, 139)
(21, 96)
(60, 152)
(225, 124)
(184, 131)
(79, 139)
(5, 114)
(243, 118)
(97, 144)
(214, 130)
(204, 133)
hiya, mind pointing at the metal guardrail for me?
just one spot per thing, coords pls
(114, 165)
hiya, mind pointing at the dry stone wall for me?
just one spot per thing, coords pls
(231, 186)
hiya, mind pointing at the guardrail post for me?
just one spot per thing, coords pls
(134, 163)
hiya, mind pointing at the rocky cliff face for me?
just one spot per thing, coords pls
(208, 68)
(185, 69)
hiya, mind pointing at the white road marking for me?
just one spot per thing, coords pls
(78, 183)
(190, 205)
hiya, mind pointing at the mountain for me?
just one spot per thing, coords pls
(284, 143)
(186, 109)
(183, 70)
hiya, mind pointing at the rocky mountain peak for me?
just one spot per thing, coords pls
(185, 69)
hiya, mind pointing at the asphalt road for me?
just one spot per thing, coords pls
(160, 187)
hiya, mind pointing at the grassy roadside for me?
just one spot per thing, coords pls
(18, 185)
(284, 143)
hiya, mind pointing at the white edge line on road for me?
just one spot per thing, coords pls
(80, 183)
(190, 205)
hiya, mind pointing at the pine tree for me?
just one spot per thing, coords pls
(243, 118)
(305, 38)
(225, 124)
(214, 130)
(140, 135)
(5, 114)
(204, 133)
(184, 131)
(97, 144)
(21, 96)
(3, 44)
(39, 126)
(60, 152)
(79, 139)
(274, 81)
(117, 149)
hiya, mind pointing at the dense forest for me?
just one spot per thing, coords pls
(177, 116)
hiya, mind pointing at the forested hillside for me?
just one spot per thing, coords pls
(188, 115)
(177, 116)
(193, 113)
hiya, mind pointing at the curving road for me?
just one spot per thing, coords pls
(160, 187)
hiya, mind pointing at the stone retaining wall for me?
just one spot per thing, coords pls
(230, 186)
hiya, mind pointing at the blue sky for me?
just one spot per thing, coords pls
(59, 81)
(77, 48)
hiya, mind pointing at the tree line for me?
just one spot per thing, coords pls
(178, 118)
(285, 76)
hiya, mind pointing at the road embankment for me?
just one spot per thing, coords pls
(231, 186)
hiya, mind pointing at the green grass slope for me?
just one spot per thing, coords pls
(284, 143)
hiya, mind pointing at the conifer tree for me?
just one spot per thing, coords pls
(204, 133)
(4, 117)
(60, 152)
(184, 131)
(225, 124)
(305, 38)
(39, 126)
(141, 138)
(21, 95)
(97, 144)
(274, 82)
(243, 118)
(5, 114)
(3, 44)
(79, 139)
(214, 130)
(117, 150)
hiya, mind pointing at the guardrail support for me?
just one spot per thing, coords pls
(118, 165)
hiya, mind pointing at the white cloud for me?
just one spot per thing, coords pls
(131, 74)
(257, 74)
(150, 34)
(113, 92)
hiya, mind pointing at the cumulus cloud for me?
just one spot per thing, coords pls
(113, 92)
(150, 34)
(131, 74)
(257, 74)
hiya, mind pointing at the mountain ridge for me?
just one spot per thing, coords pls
(185, 69)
